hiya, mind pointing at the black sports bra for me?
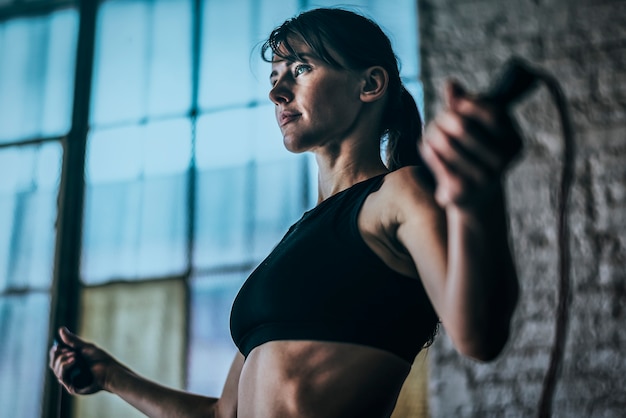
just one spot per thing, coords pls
(322, 282)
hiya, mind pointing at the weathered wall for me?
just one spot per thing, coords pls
(582, 43)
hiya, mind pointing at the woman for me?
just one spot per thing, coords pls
(328, 325)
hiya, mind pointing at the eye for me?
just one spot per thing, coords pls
(273, 77)
(301, 69)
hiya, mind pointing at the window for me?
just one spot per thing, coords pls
(36, 82)
(186, 184)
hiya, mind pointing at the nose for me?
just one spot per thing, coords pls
(282, 91)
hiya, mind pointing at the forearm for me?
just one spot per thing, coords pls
(158, 401)
(481, 284)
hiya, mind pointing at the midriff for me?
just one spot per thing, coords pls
(319, 379)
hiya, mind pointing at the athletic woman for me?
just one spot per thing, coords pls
(329, 324)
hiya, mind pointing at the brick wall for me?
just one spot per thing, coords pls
(582, 43)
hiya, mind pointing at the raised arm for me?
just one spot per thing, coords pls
(458, 238)
(152, 399)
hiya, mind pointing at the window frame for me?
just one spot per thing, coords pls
(64, 305)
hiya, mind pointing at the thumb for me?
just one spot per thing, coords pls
(70, 338)
(453, 91)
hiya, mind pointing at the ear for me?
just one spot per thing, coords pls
(375, 82)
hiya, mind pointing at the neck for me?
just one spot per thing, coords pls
(346, 165)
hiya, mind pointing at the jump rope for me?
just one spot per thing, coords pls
(517, 79)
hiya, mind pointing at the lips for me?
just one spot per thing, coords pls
(285, 117)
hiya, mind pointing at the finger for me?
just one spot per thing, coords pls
(470, 139)
(62, 360)
(498, 137)
(457, 159)
(493, 118)
(54, 354)
(64, 374)
(70, 338)
(459, 100)
(453, 91)
(430, 157)
(61, 370)
(441, 171)
(68, 387)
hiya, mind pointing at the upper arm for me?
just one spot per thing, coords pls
(227, 404)
(473, 296)
(420, 228)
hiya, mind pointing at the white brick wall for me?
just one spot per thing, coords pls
(583, 43)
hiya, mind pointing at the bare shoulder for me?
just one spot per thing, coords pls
(404, 196)
(409, 184)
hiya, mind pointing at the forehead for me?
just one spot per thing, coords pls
(292, 50)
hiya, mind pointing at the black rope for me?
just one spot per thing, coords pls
(562, 309)
(517, 79)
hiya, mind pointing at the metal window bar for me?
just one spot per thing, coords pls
(33, 8)
(66, 280)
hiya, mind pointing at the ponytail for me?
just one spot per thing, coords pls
(404, 133)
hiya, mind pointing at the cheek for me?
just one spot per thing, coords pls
(331, 98)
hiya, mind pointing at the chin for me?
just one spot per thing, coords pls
(294, 146)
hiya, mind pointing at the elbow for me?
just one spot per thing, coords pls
(484, 337)
(484, 340)
(204, 407)
(485, 351)
(487, 344)
(490, 339)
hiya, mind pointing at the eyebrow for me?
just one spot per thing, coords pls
(306, 57)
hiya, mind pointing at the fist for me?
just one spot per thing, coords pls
(468, 147)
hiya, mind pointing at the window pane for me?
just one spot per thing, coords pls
(280, 197)
(224, 139)
(29, 182)
(280, 184)
(23, 360)
(37, 56)
(267, 140)
(417, 91)
(142, 62)
(222, 212)
(142, 325)
(250, 189)
(211, 349)
(231, 70)
(400, 24)
(225, 77)
(267, 16)
(224, 161)
(413, 398)
(136, 201)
